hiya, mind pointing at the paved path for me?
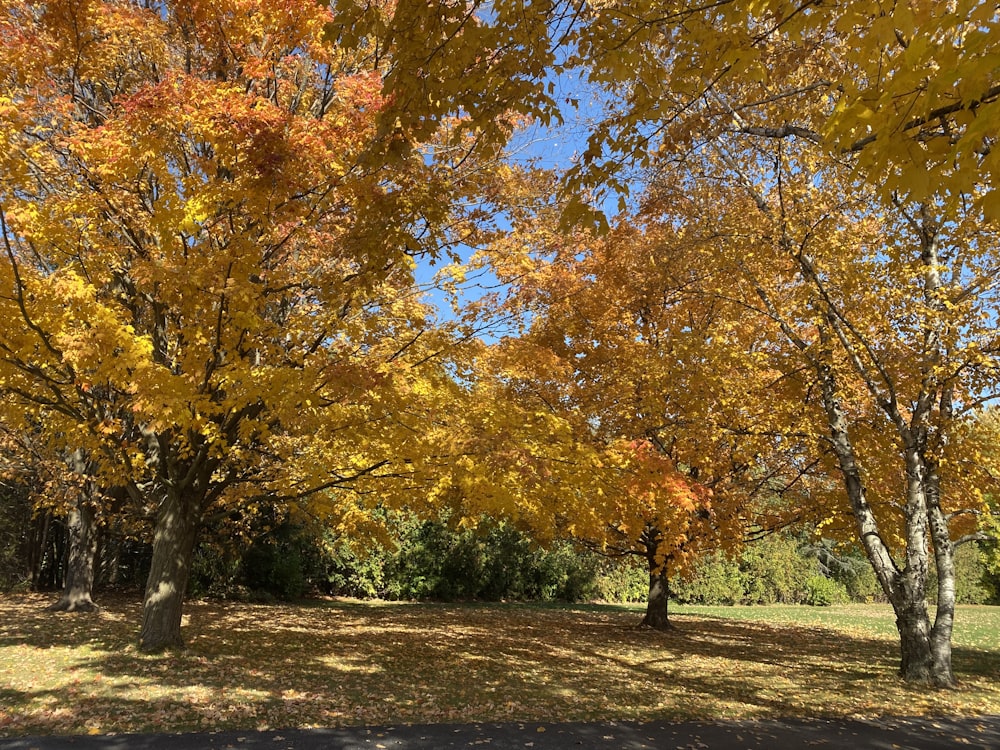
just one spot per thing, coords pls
(885, 734)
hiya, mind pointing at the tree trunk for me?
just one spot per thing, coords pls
(78, 586)
(914, 628)
(657, 603)
(40, 542)
(944, 561)
(925, 656)
(173, 547)
(925, 652)
(81, 546)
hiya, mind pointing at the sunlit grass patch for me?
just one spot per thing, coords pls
(334, 663)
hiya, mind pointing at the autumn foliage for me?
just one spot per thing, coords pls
(210, 214)
(212, 217)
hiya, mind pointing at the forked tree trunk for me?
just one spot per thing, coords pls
(657, 615)
(925, 650)
(173, 547)
(78, 587)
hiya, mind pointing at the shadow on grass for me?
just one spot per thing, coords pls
(347, 663)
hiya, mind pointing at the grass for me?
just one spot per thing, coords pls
(344, 662)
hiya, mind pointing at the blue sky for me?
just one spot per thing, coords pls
(555, 148)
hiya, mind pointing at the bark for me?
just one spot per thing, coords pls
(81, 553)
(917, 663)
(78, 585)
(173, 547)
(657, 616)
(925, 652)
(944, 561)
(925, 649)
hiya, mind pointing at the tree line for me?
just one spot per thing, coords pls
(430, 559)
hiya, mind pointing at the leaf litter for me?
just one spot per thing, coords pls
(340, 662)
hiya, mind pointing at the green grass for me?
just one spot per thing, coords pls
(345, 662)
(976, 627)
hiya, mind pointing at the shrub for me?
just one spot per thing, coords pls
(622, 581)
(274, 561)
(274, 565)
(767, 571)
(490, 562)
(772, 570)
(361, 574)
(847, 564)
(567, 574)
(215, 571)
(715, 579)
(823, 592)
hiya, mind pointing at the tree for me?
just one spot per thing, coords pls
(620, 394)
(61, 487)
(543, 465)
(869, 314)
(81, 554)
(209, 214)
(855, 141)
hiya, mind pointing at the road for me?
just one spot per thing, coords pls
(829, 734)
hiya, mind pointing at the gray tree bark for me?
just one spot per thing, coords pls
(657, 604)
(925, 650)
(173, 548)
(81, 557)
(77, 593)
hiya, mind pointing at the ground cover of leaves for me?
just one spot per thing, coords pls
(341, 662)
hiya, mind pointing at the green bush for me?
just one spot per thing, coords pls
(767, 571)
(284, 563)
(972, 579)
(352, 573)
(823, 592)
(215, 571)
(989, 554)
(430, 559)
(847, 564)
(566, 574)
(274, 565)
(714, 580)
(491, 562)
(860, 582)
(772, 570)
(622, 581)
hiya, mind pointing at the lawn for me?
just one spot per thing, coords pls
(344, 662)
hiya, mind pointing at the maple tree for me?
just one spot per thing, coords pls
(875, 323)
(611, 418)
(209, 215)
